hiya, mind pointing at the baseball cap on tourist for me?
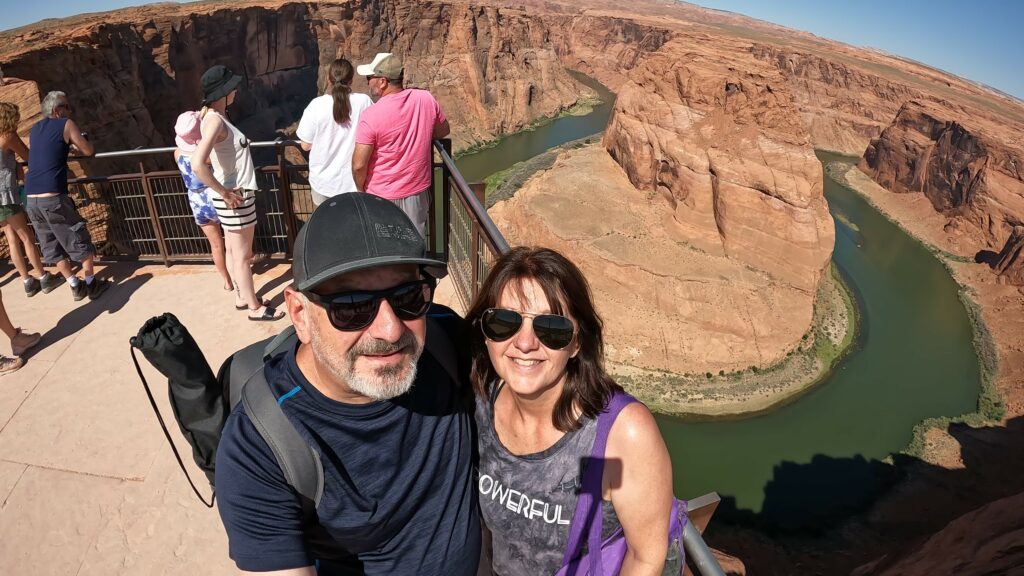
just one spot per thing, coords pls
(355, 231)
(218, 82)
(186, 131)
(385, 65)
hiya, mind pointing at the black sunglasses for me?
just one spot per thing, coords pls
(350, 311)
(553, 330)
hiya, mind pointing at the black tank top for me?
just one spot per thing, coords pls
(48, 161)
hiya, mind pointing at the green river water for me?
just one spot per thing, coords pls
(818, 456)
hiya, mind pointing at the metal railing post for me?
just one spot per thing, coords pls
(432, 209)
(480, 191)
(153, 216)
(446, 195)
(699, 553)
(284, 197)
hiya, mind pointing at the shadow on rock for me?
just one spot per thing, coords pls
(832, 515)
(986, 257)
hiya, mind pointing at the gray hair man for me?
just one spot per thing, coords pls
(62, 233)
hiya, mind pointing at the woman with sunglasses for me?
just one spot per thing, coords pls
(538, 372)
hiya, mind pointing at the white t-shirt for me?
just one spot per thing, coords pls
(330, 159)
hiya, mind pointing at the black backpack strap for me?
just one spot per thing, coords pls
(298, 461)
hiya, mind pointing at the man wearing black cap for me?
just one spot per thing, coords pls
(388, 421)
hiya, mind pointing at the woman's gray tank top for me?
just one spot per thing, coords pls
(528, 501)
(8, 178)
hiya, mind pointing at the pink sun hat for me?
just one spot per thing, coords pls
(186, 131)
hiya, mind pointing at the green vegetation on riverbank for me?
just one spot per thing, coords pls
(502, 185)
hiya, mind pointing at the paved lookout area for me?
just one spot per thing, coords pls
(88, 485)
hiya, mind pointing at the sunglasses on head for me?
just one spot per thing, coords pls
(355, 310)
(553, 330)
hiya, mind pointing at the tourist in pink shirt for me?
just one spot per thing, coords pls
(392, 158)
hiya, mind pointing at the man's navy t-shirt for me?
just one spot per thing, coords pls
(398, 491)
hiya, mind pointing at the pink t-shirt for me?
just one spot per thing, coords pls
(399, 127)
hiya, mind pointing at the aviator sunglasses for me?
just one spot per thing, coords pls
(553, 330)
(350, 311)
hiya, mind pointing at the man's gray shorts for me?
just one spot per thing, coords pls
(61, 231)
(417, 208)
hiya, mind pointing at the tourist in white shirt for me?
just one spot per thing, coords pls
(328, 131)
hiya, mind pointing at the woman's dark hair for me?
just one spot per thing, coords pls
(340, 74)
(588, 388)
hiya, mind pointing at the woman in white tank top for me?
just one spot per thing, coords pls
(223, 162)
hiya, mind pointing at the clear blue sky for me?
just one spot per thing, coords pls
(982, 40)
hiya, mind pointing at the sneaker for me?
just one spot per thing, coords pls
(32, 287)
(9, 364)
(78, 291)
(50, 282)
(22, 341)
(97, 287)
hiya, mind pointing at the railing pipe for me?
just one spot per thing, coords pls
(699, 553)
(170, 149)
(491, 235)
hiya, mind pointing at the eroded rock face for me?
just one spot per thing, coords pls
(968, 175)
(666, 304)
(132, 72)
(1010, 265)
(842, 106)
(725, 148)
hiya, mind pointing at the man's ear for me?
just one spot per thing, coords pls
(297, 305)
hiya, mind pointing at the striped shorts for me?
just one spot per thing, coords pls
(242, 216)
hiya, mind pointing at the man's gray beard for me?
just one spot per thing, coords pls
(384, 383)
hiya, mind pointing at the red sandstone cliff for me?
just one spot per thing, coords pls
(136, 69)
(969, 174)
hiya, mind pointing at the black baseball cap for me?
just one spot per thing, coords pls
(355, 231)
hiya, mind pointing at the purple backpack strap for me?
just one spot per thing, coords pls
(588, 515)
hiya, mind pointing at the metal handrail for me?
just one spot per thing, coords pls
(492, 235)
(169, 149)
(699, 552)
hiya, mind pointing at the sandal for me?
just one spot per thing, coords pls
(270, 314)
(246, 306)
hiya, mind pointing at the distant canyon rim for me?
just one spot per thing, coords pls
(699, 218)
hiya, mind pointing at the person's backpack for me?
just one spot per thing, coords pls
(201, 402)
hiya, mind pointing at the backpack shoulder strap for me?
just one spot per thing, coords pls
(248, 384)
(300, 464)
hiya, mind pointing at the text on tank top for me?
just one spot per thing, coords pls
(527, 501)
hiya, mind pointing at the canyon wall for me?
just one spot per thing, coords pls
(135, 70)
(969, 175)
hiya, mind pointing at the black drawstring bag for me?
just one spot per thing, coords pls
(196, 396)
